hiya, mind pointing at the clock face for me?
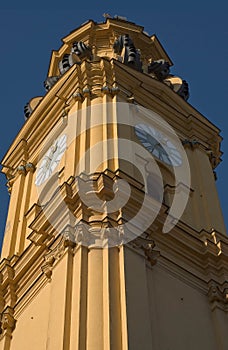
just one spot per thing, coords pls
(50, 160)
(158, 144)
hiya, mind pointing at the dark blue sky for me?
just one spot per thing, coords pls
(195, 37)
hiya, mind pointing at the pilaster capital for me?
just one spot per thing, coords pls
(147, 246)
(218, 295)
(21, 170)
(64, 241)
(8, 321)
(29, 167)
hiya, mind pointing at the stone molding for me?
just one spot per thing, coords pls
(199, 255)
(98, 79)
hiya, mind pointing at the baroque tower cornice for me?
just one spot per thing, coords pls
(101, 37)
(96, 76)
(103, 72)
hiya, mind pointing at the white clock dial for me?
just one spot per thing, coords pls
(158, 144)
(51, 160)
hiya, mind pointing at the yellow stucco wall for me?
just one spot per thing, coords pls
(159, 291)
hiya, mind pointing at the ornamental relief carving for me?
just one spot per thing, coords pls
(147, 247)
(55, 253)
(8, 322)
(217, 295)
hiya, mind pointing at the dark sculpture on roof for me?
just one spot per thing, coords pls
(124, 46)
(129, 55)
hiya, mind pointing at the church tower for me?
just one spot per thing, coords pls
(114, 237)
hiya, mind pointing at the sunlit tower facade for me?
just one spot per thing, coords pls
(114, 236)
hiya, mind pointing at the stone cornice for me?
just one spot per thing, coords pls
(195, 252)
(163, 93)
(146, 91)
(24, 276)
(195, 257)
(205, 251)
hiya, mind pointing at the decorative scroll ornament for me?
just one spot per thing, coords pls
(183, 91)
(55, 253)
(29, 167)
(77, 96)
(190, 143)
(49, 82)
(131, 56)
(147, 246)
(160, 69)
(178, 85)
(30, 106)
(68, 61)
(81, 50)
(21, 170)
(27, 111)
(118, 45)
